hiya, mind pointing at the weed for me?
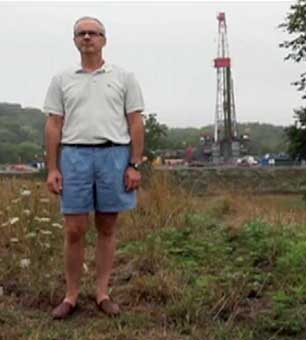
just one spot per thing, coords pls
(227, 267)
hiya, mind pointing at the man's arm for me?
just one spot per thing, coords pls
(53, 133)
(136, 129)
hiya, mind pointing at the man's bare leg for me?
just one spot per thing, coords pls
(106, 244)
(75, 228)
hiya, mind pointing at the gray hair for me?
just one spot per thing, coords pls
(88, 18)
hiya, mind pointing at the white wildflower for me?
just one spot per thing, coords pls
(14, 240)
(42, 219)
(24, 263)
(85, 267)
(46, 232)
(14, 220)
(15, 201)
(31, 235)
(25, 193)
(47, 245)
(27, 212)
(44, 200)
(57, 225)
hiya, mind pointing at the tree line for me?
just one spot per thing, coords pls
(22, 137)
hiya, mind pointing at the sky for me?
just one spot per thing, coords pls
(170, 46)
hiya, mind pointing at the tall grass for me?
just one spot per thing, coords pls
(226, 266)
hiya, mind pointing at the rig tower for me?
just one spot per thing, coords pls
(226, 141)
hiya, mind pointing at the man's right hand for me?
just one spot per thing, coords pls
(55, 182)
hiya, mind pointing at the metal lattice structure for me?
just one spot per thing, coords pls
(225, 130)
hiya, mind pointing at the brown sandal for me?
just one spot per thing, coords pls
(63, 310)
(108, 307)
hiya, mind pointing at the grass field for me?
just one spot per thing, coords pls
(223, 267)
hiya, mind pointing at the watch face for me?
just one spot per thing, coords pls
(136, 166)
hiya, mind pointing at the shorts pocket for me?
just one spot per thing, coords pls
(74, 161)
(120, 157)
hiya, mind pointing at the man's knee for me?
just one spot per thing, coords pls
(74, 235)
(106, 231)
(75, 228)
(106, 224)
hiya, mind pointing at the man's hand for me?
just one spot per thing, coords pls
(132, 179)
(55, 182)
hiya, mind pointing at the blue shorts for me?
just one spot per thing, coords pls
(93, 179)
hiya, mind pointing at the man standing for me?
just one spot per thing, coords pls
(94, 137)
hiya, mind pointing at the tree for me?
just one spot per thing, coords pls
(21, 133)
(154, 132)
(297, 135)
(295, 25)
(28, 151)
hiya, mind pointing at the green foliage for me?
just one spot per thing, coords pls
(178, 138)
(264, 138)
(25, 125)
(293, 262)
(262, 267)
(21, 133)
(286, 315)
(297, 136)
(154, 132)
(295, 25)
(258, 239)
(202, 279)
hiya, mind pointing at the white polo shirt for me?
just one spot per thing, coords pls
(94, 104)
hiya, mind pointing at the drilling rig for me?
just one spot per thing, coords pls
(226, 145)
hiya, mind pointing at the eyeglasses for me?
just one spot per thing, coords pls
(94, 34)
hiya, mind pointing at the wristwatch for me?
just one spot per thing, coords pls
(136, 166)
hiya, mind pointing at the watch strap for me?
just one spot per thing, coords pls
(136, 166)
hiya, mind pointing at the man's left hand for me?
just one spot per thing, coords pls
(132, 179)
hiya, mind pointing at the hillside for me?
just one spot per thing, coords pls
(21, 135)
(264, 138)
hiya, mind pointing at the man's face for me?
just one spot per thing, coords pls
(89, 37)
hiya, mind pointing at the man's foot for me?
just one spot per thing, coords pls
(63, 310)
(108, 307)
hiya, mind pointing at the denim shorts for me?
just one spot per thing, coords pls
(93, 179)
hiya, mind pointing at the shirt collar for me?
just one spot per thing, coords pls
(106, 67)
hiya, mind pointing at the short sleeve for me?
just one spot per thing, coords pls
(133, 96)
(54, 99)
